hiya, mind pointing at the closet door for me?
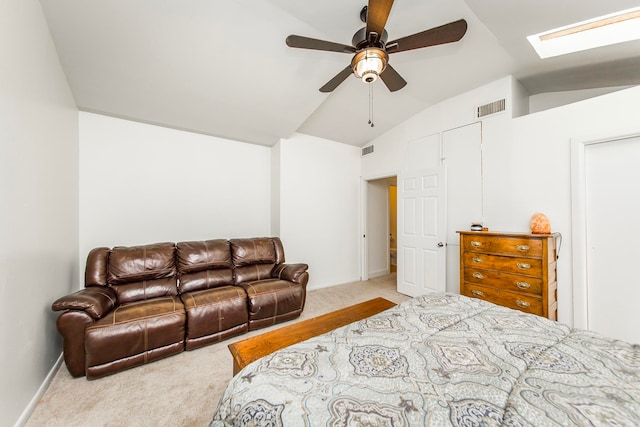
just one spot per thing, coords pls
(462, 155)
(612, 194)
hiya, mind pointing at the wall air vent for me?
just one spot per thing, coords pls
(367, 150)
(491, 108)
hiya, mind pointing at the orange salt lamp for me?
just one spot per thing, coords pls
(540, 224)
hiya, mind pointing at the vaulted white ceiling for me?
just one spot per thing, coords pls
(222, 67)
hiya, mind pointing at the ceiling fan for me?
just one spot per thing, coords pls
(371, 49)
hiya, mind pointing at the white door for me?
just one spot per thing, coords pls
(612, 194)
(422, 231)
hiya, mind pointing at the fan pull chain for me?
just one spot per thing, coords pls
(371, 104)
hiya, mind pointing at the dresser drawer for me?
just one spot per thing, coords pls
(503, 245)
(505, 281)
(526, 303)
(526, 266)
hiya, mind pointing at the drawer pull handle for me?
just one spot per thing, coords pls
(477, 293)
(523, 248)
(477, 260)
(523, 265)
(522, 304)
(478, 276)
(523, 285)
(476, 244)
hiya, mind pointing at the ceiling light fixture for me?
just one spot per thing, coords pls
(369, 63)
(605, 30)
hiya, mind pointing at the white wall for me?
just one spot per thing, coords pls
(275, 190)
(319, 208)
(545, 101)
(541, 179)
(39, 197)
(142, 184)
(526, 164)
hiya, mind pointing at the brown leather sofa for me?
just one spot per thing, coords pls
(143, 303)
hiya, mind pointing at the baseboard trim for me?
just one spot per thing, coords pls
(330, 285)
(378, 273)
(36, 397)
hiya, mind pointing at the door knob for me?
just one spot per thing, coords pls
(440, 244)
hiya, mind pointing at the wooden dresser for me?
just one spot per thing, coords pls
(515, 270)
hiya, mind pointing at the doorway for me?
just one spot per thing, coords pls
(393, 227)
(380, 232)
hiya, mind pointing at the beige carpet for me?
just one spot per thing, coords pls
(181, 390)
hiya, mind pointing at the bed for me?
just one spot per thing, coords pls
(441, 360)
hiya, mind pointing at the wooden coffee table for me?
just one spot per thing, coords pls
(252, 349)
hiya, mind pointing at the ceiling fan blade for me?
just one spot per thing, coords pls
(447, 33)
(377, 14)
(309, 43)
(392, 79)
(335, 82)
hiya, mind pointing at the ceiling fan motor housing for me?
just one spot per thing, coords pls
(361, 39)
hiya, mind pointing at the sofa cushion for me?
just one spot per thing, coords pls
(253, 251)
(272, 301)
(207, 279)
(204, 265)
(251, 273)
(132, 332)
(146, 289)
(203, 255)
(138, 263)
(214, 315)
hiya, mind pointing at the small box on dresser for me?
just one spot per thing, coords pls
(515, 270)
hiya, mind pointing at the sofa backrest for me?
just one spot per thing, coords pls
(254, 259)
(204, 264)
(134, 272)
(150, 271)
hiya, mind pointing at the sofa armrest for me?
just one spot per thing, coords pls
(290, 272)
(96, 301)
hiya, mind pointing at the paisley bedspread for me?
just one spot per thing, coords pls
(440, 360)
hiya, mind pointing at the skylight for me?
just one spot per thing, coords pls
(605, 30)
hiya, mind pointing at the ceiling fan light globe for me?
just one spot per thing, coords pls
(369, 63)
